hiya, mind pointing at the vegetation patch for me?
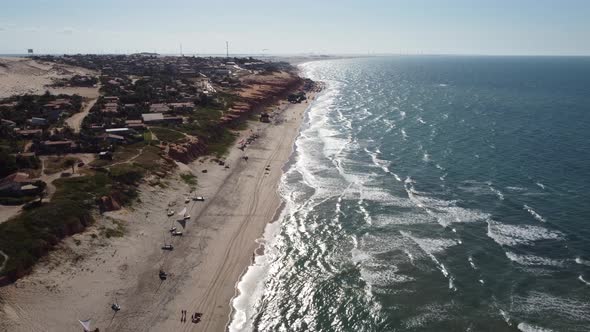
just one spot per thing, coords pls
(189, 178)
(118, 229)
(221, 144)
(149, 159)
(28, 106)
(10, 163)
(35, 231)
(10, 200)
(167, 135)
(122, 154)
(147, 137)
(127, 173)
(57, 164)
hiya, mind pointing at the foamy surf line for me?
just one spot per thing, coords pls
(525, 327)
(250, 287)
(534, 213)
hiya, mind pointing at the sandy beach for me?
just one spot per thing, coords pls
(88, 273)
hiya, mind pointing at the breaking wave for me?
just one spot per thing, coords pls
(513, 235)
(532, 260)
(534, 213)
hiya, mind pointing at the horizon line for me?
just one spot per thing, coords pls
(357, 55)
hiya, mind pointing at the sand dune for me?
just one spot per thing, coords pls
(23, 75)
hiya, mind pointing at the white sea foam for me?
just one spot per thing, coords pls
(512, 235)
(432, 246)
(389, 125)
(402, 219)
(497, 192)
(377, 271)
(542, 186)
(445, 212)
(410, 256)
(452, 284)
(383, 276)
(358, 256)
(543, 303)
(429, 313)
(532, 260)
(581, 261)
(334, 143)
(481, 188)
(382, 196)
(514, 188)
(506, 317)
(419, 119)
(581, 278)
(402, 114)
(383, 164)
(525, 327)
(426, 157)
(251, 285)
(472, 263)
(534, 213)
(365, 213)
(404, 135)
(307, 167)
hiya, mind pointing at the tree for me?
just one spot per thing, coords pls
(7, 164)
(42, 186)
(70, 163)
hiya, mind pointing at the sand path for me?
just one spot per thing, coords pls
(75, 121)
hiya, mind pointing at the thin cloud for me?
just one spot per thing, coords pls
(6, 26)
(67, 31)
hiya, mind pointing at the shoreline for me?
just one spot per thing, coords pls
(259, 240)
(205, 266)
(262, 239)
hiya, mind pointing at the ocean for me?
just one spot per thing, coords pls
(432, 193)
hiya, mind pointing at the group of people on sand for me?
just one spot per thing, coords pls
(195, 318)
(244, 143)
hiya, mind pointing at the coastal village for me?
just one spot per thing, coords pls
(185, 106)
(67, 158)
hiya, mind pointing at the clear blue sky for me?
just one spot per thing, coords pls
(543, 27)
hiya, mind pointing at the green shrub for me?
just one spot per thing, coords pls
(126, 173)
(189, 179)
(31, 234)
(10, 200)
(167, 135)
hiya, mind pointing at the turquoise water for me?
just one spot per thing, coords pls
(433, 194)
